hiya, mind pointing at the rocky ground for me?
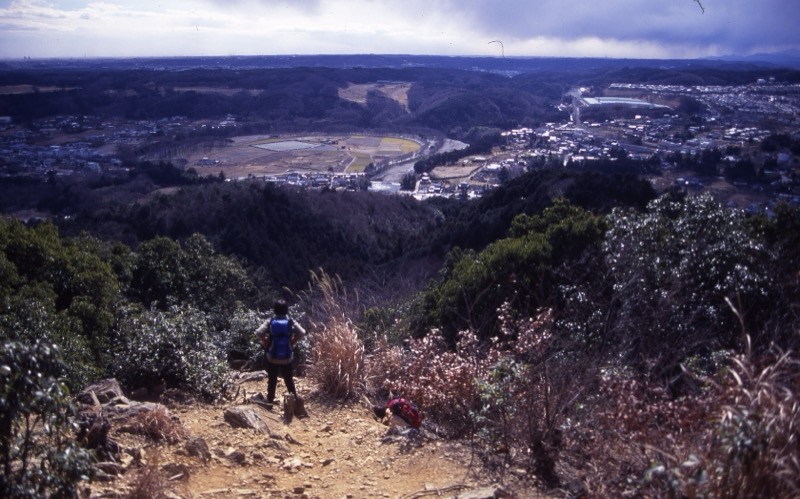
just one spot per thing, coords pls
(339, 451)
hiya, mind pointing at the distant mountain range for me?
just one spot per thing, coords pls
(509, 66)
(786, 58)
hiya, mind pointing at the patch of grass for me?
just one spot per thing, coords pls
(150, 483)
(158, 425)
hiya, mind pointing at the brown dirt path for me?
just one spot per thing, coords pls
(339, 451)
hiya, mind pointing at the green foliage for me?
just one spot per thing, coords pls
(238, 336)
(176, 347)
(81, 294)
(476, 224)
(673, 268)
(168, 273)
(520, 269)
(59, 291)
(38, 455)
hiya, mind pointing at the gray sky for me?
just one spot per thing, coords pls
(594, 28)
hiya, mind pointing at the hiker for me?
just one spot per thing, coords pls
(278, 336)
(402, 413)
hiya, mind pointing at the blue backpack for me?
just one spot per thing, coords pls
(280, 346)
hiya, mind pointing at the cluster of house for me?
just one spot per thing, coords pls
(731, 126)
(318, 180)
(18, 158)
(765, 97)
(67, 145)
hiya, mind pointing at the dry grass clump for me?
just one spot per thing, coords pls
(337, 352)
(337, 359)
(158, 425)
(754, 449)
(149, 483)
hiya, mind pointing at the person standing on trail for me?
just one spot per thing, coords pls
(278, 335)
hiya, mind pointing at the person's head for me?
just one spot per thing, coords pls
(280, 307)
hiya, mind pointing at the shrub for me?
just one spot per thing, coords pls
(175, 347)
(625, 428)
(528, 386)
(671, 270)
(238, 337)
(441, 381)
(38, 454)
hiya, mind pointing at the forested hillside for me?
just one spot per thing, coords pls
(281, 100)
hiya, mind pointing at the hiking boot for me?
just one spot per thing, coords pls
(300, 407)
(288, 407)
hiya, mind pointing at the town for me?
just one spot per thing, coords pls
(724, 136)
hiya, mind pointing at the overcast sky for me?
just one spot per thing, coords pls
(595, 28)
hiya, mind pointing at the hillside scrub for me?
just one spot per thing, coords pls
(168, 313)
(603, 351)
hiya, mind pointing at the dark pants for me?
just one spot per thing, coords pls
(286, 372)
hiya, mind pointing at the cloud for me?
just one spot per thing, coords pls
(613, 28)
(736, 24)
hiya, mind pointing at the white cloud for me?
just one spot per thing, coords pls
(613, 28)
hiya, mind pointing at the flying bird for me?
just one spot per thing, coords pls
(702, 9)
(502, 48)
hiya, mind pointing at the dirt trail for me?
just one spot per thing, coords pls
(339, 451)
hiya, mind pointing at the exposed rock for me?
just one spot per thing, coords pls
(125, 409)
(253, 376)
(242, 416)
(176, 471)
(292, 464)
(292, 440)
(237, 456)
(93, 429)
(261, 400)
(289, 401)
(275, 443)
(197, 447)
(113, 469)
(100, 393)
(493, 492)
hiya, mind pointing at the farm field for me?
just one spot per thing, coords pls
(261, 155)
(397, 91)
